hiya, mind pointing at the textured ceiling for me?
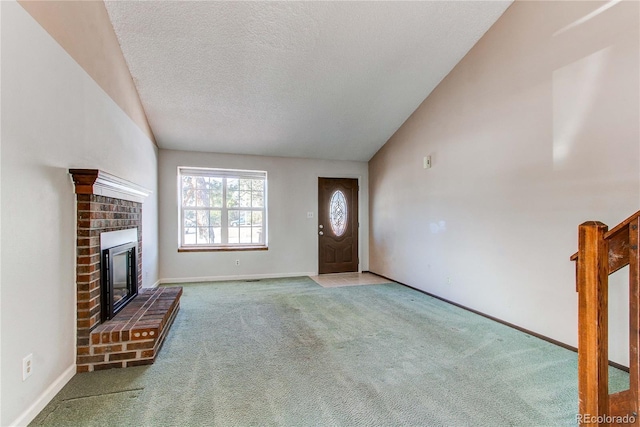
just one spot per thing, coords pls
(331, 80)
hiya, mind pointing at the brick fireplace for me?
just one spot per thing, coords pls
(105, 204)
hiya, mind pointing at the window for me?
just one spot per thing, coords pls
(338, 213)
(222, 209)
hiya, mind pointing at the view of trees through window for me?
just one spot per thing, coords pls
(221, 209)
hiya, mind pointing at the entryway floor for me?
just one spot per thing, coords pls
(336, 280)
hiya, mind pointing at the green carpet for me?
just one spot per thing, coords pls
(287, 352)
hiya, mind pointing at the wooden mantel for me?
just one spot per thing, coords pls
(95, 181)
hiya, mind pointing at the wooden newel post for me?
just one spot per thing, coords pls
(593, 354)
(634, 319)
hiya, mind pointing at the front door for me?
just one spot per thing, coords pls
(337, 225)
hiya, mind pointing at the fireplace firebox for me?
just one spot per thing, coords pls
(119, 278)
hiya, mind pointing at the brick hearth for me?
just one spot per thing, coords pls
(134, 336)
(106, 203)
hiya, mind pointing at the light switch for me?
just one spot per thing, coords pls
(426, 162)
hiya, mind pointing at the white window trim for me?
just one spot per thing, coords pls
(222, 173)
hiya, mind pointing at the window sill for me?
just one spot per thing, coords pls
(222, 248)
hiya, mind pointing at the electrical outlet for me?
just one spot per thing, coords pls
(448, 280)
(27, 366)
(237, 262)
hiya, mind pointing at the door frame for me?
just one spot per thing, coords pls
(360, 240)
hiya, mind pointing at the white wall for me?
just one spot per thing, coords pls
(535, 131)
(292, 192)
(54, 116)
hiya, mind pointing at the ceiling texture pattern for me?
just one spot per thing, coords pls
(326, 80)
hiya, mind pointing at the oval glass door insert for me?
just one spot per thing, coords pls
(338, 213)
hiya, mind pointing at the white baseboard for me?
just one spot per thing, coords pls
(27, 416)
(228, 278)
(155, 285)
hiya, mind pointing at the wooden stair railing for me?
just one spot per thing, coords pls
(602, 252)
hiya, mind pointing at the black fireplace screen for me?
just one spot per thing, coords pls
(119, 278)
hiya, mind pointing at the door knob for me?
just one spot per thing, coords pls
(321, 226)
(321, 233)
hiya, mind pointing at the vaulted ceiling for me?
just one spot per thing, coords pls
(329, 80)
